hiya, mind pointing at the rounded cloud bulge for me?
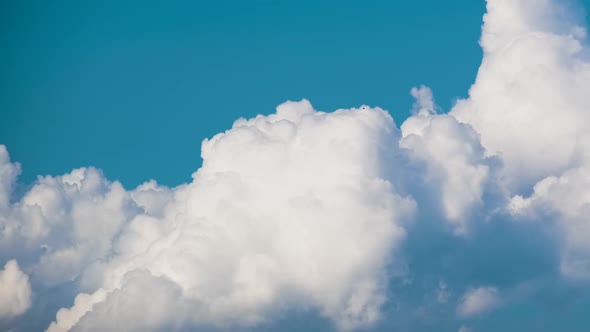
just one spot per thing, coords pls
(288, 210)
(15, 291)
(442, 223)
(530, 106)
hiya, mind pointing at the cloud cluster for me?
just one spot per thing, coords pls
(289, 210)
(340, 214)
(529, 105)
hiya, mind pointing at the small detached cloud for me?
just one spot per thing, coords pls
(477, 301)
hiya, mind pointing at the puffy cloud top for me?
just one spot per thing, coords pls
(289, 209)
(529, 100)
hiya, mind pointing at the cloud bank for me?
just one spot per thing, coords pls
(339, 216)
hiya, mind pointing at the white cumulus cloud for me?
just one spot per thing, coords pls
(288, 209)
(15, 291)
(319, 212)
(529, 102)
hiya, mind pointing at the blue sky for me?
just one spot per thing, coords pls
(133, 88)
(461, 207)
